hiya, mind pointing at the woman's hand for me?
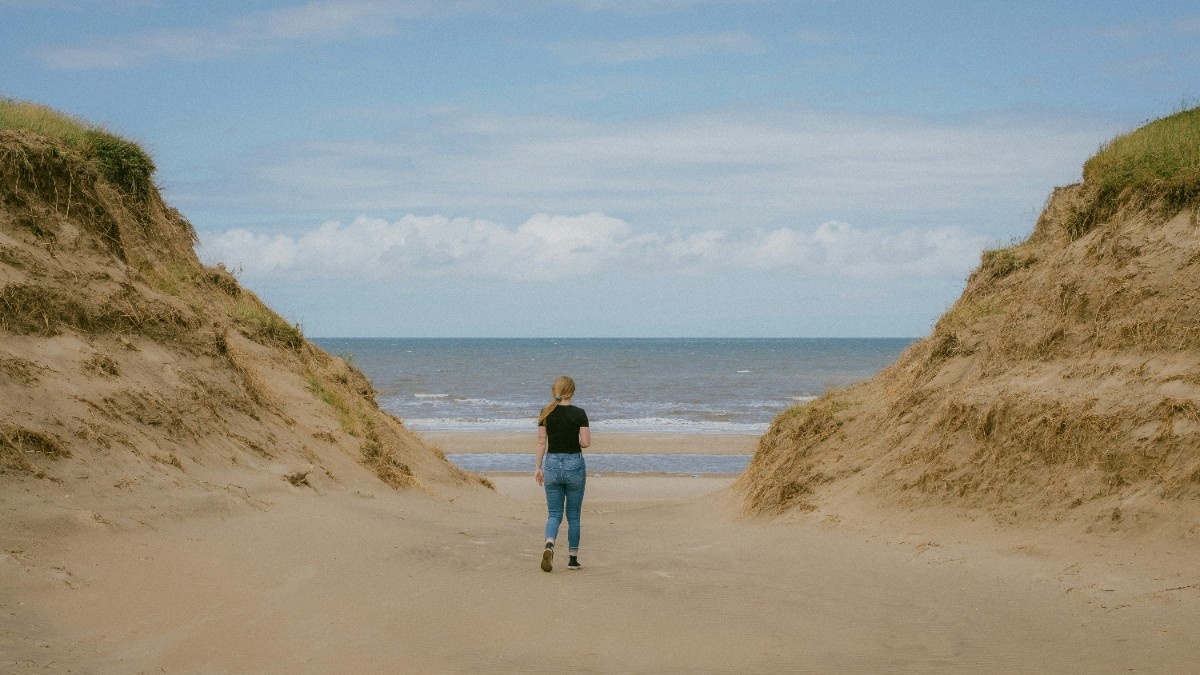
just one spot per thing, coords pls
(541, 453)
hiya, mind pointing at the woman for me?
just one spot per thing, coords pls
(562, 435)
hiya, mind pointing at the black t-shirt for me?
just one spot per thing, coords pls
(562, 428)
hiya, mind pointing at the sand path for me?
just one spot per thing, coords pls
(674, 581)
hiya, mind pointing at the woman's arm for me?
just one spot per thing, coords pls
(541, 453)
(585, 437)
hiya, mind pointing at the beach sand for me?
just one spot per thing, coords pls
(354, 578)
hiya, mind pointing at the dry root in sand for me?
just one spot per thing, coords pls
(18, 446)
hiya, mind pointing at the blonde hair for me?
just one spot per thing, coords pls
(563, 388)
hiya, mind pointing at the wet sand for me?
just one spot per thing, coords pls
(602, 442)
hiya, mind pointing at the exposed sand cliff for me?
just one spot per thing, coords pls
(1064, 384)
(129, 370)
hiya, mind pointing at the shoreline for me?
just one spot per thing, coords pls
(607, 491)
(621, 443)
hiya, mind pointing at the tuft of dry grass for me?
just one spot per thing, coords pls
(223, 280)
(103, 365)
(257, 322)
(172, 278)
(21, 260)
(783, 471)
(20, 370)
(1036, 448)
(169, 460)
(246, 372)
(995, 264)
(17, 444)
(27, 309)
(347, 418)
(354, 412)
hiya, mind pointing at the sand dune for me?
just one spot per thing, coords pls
(1060, 389)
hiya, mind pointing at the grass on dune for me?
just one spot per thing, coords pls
(1157, 166)
(121, 161)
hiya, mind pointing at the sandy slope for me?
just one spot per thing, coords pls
(125, 360)
(286, 579)
(1064, 385)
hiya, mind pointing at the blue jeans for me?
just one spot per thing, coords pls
(564, 476)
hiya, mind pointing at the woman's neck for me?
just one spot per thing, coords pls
(565, 401)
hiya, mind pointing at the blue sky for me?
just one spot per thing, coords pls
(607, 167)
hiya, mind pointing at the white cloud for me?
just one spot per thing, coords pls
(549, 247)
(720, 170)
(654, 48)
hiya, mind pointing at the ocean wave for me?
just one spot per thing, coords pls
(672, 425)
(661, 425)
(470, 424)
(485, 402)
(448, 399)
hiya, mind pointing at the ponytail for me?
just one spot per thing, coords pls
(546, 412)
(563, 388)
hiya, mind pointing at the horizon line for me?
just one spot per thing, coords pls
(611, 337)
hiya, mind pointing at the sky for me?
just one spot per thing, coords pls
(607, 168)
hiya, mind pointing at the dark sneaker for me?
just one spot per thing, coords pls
(573, 564)
(548, 559)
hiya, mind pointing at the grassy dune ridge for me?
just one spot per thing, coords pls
(1156, 166)
(121, 161)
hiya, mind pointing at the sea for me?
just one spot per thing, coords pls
(626, 385)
